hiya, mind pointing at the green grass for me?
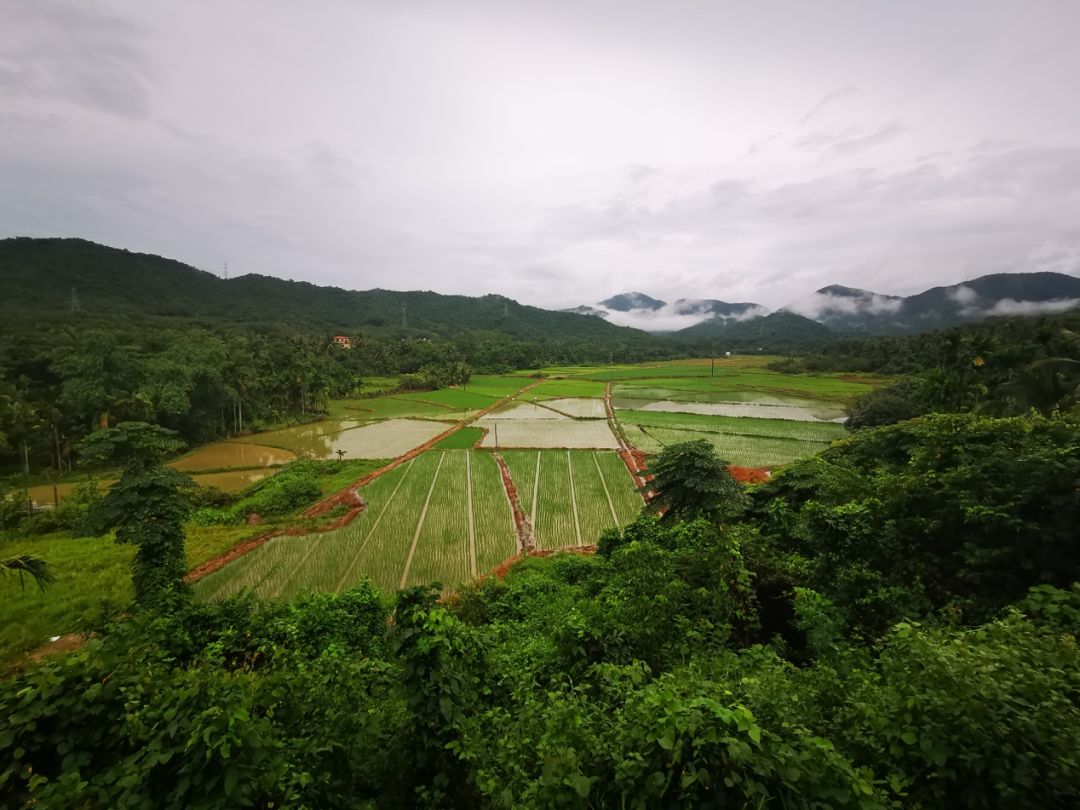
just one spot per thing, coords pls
(92, 582)
(460, 440)
(735, 425)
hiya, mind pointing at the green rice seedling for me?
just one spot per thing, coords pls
(524, 466)
(443, 550)
(595, 505)
(493, 521)
(745, 451)
(557, 524)
(460, 440)
(628, 502)
(556, 389)
(453, 398)
(737, 426)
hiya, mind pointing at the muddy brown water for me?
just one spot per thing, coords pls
(315, 440)
(230, 481)
(238, 455)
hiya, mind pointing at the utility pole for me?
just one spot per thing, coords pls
(75, 300)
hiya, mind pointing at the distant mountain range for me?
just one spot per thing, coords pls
(846, 310)
(43, 280)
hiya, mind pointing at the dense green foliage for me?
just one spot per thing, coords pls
(146, 506)
(1001, 366)
(158, 341)
(891, 624)
(688, 481)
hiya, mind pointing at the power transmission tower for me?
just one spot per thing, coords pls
(404, 319)
(225, 270)
(506, 313)
(75, 307)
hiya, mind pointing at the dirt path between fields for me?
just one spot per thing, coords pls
(633, 458)
(521, 523)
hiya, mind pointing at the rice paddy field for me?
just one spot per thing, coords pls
(443, 516)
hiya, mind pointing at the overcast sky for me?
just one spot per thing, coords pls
(553, 151)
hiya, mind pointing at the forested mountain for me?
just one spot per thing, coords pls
(860, 311)
(38, 277)
(848, 310)
(777, 332)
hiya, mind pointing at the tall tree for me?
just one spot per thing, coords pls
(146, 506)
(690, 481)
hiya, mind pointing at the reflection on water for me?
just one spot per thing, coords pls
(222, 455)
(315, 440)
(230, 481)
(755, 410)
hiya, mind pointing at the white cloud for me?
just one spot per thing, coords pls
(551, 152)
(673, 317)
(821, 305)
(1010, 306)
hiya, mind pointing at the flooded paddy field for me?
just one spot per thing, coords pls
(232, 454)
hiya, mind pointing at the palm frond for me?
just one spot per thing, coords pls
(27, 565)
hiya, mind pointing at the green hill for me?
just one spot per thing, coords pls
(779, 331)
(37, 277)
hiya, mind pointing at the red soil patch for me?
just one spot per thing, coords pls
(749, 475)
(521, 523)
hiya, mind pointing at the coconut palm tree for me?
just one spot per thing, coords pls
(1043, 385)
(27, 565)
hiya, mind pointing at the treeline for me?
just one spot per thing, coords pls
(890, 624)
(1000, 366)
(60, 382)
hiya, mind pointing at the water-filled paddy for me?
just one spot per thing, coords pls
(230, 454)
(315, 440)
(565, 432)
(579, 408)
(754, 410)
(385, 439)
(230, 481)
(524, 410)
